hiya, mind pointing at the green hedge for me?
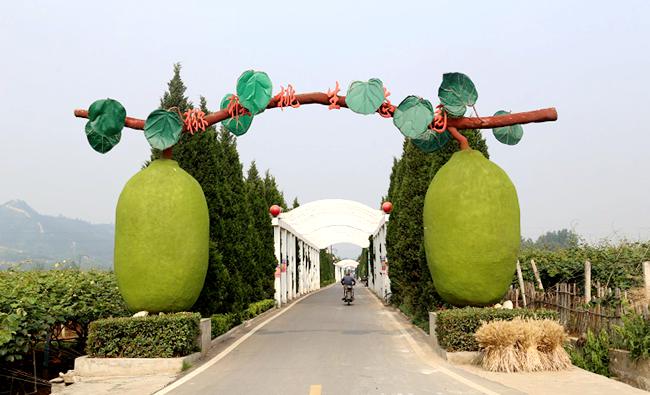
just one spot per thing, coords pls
(455, 328)
(257, 308)
(222, 323)
(156, 336)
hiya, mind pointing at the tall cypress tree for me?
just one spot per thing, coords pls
(231, 232)
(262, 236)
(411, 282)
(175, 94)
(272, 194)
(174, 97)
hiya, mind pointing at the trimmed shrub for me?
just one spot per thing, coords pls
(259, 307)
(157, 336)
(455, 328)
(222, 323)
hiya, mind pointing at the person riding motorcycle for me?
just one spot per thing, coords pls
(347, 280)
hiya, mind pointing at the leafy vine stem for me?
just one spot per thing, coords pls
(453, 124)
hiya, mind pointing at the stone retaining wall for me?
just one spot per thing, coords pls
(636, 374)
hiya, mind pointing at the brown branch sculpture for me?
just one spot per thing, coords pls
(542, 115)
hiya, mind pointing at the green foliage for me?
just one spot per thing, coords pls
(262, 240)
(326, 267)
(33, 303)
(175, 94)
(272, 194)
(509, 135)
(553, 240)
(614, 265)
(413, 116)
(237, 126)
(105, 122)
(593, 354)
(222, 323)
(455, 328)
(257, 308)
(431, 141)
(365, 97)
(163, 129)
(362, 269)
(634, 335)
(156, 336)
(411, 285)
(254, 89)
(457, 92)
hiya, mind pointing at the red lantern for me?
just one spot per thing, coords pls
(387, 207)
(275, 210)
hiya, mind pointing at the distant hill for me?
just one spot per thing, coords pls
(38, 240)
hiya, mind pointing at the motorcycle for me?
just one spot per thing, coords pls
(348, 296)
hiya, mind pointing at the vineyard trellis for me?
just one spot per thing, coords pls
(604, 313)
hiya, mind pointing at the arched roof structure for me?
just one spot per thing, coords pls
(347, 263)
(331, 221)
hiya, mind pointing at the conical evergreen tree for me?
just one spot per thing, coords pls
(262, 236)
(411, 283)
(174, 97)
(272, 194)
(231, 232)
(295, 203)
(175, 94)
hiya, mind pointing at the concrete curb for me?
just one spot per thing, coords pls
(85, 367)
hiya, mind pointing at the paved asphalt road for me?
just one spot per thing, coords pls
(320, 346)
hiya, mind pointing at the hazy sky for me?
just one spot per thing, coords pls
(590, 59)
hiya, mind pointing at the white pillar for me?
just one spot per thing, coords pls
(293, 266)
(289, 278)
(283, 274)
(276, 283)
(303, 267)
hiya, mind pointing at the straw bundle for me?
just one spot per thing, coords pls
(554, 357)
(522, 345)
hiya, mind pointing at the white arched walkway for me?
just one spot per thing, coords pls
(302, 232)
(343, 265)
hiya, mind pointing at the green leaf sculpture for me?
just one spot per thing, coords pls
(105, 122)
(99, 142)
(254, 89)
(430, 141)
(107, 117)
(235, 126)
(365, 97)
(509, 135)
(457, 92)
(163, 129)
(413, 116)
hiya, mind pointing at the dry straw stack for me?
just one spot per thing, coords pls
(522, 345)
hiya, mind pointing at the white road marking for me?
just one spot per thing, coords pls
(229, 349)
(418, 350)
